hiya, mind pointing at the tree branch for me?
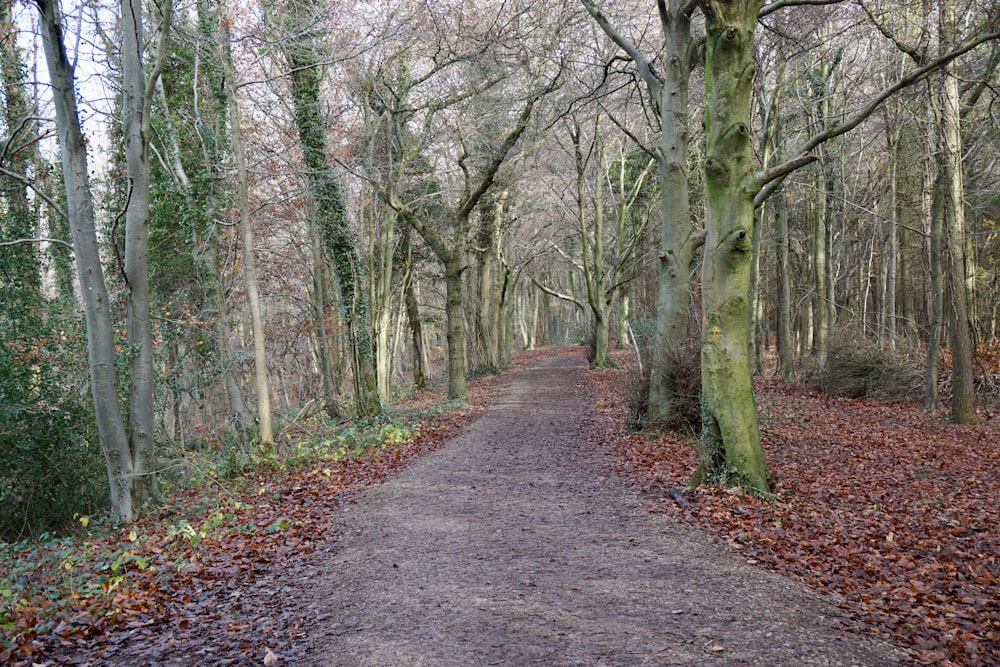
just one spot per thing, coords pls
(48, 200)
(781, 4)
(558, 295)
(783, 169)
(645, 71)
(43, 240)
(489, 175)
(162, 44)
(862, 114)
(911, 51)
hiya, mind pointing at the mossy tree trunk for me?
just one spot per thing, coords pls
(730, 446)
(203, 194)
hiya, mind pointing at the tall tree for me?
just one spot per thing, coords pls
(963, 407)
(190, 136)
(592, 247)
(246, 227)
(137, 93)
(730, 440)
(306, 73)
(821, 84)
(93, 288)
(679, 238)
(730, 448)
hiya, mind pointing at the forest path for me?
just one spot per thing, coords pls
(515, 544)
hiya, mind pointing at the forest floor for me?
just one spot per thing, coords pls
(537, 530)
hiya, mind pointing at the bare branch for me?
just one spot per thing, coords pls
(558, 295)
(48, 200)
(783, 169)
(915, 53)
(980, 86)
(862, 114)
(781, 4)
(645, 71)
(489, 174)
(628, 133)
(8, 144)
(44, 240)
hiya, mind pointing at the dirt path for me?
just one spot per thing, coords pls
(515, 545)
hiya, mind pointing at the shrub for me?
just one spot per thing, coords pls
(858, 368)
(52, 468)
(682, 377)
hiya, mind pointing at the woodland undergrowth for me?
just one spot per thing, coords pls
(193, 577)
(890, 509)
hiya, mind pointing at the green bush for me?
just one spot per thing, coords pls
(51, 468)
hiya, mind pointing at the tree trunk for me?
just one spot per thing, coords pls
(786, 344)
(452, 255)
(963, 404)
(487, 315)
(821, 331)
(931, 203)
(381, 265)
(249, 252)
(730, 442)
(93, 289)
(592, 245)
(455, 327)
(413, 312)
(204, 241)
(322, 335)
(135, 110)
(624, 335)
(893, 263)
(306, 76)
(506, 316)
(678, 239)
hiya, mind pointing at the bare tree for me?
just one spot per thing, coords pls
(249, 249)
(94, 292)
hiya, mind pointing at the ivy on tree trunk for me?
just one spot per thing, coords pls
(331, 214)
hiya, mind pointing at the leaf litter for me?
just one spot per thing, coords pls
(202, 578)
(890, 509)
